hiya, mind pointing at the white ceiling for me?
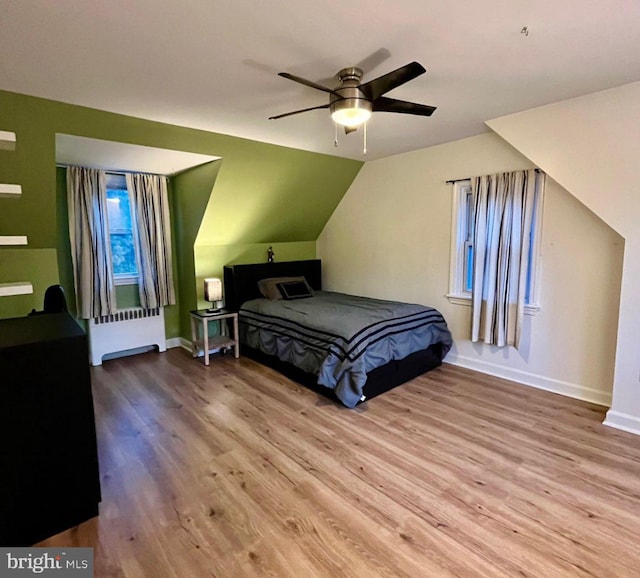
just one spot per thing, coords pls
(212, 64)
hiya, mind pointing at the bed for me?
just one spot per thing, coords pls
(346, 347)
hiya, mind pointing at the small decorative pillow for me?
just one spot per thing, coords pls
(269, 287)
(295, 290)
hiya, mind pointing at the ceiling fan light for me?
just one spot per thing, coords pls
(351, 116)
(351, 111)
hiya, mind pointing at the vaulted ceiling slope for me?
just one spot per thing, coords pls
(213, 65)
(262, 193)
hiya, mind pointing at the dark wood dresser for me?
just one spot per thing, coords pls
(49, 479)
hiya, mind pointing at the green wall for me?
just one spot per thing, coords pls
(257, 195)
(39, 266)
(193, 190)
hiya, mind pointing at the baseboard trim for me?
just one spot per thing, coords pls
(622, 421)
(532, 379)
(174, 342)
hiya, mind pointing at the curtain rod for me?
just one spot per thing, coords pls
(113, 172)
(452, 181)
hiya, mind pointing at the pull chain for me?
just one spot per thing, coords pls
(364, 147)
(335, 138)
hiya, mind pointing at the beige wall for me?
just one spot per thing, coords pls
(592, 146)
(390, 238)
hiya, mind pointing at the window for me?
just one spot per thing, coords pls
(461, 268)
(123, 254)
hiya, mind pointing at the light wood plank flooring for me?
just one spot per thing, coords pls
(232, 470)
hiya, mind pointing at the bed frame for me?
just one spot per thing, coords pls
(241, 281)
(241, 284)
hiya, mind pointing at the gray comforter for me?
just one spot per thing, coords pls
(340, 337)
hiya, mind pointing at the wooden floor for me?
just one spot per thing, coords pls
(232, 470)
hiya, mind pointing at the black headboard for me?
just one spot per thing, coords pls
(241, 281)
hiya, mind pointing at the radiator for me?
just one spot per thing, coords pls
(125, 330)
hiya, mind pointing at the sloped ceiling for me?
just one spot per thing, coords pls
(590, 145)
(265, 193)
(262, 192)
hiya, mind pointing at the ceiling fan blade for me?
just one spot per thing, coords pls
(298, 111)
(384, 104)
(309, 83)
(379, 86)
(374, 60)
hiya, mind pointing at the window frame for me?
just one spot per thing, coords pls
(122, 278)
(461, 229)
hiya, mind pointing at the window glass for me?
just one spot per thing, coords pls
(468, 245)
(120, 229)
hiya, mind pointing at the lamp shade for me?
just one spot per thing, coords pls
(212, 289)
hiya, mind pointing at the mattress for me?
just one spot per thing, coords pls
(341, 338)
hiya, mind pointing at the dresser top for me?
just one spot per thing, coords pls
(37, 329)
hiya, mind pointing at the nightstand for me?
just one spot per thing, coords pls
(200, 320)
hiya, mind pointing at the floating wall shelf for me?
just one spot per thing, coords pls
(10, 191)
(7, 140)
(13, 240)
(7, 289)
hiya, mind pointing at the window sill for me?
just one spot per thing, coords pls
(462, 299)
(125, 280)
(458, 299)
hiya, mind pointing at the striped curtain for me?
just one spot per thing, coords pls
(504, 206)
(152, 236)
(90, 244)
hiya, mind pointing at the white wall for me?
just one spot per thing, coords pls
(592, 146)
(390, 238)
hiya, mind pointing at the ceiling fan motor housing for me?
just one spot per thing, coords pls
(351, 108)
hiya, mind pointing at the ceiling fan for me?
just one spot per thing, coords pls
(351, 103)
